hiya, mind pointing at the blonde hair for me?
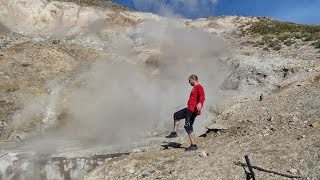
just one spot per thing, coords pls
(194, 77)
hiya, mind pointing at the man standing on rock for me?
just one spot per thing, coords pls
(195, 104)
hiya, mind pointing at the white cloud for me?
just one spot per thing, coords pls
(189, 8)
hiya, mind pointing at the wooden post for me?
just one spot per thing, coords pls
(250, 175)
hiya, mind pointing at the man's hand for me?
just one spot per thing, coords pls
(199, 106)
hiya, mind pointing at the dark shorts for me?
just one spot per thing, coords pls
(189, 117)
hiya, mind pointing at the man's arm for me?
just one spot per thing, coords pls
(201, 98)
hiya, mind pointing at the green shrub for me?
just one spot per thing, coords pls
(265, 49)
(298, 35)
(289, 42)
(268, 38)
(274, 43)
(277, 47)
(285, 35)
(242, 26)
(308, 37)
(316, 44)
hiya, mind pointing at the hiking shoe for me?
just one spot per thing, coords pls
(172, 135)
(192, 147)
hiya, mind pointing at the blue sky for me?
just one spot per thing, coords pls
(299, 11)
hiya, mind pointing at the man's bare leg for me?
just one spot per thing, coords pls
(173, 134)
(193, 146)
(192, 138)
(175, 126)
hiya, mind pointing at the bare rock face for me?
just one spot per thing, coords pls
(27, 165)
(42, 16)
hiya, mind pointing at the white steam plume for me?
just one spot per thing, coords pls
(197, 8)
(124, 100)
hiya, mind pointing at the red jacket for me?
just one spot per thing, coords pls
(196, 96)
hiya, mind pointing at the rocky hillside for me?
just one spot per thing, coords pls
(66, 67)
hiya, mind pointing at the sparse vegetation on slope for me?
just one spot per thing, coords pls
(275, 33)
(100, 3)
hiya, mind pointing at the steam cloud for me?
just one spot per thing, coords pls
(124, 98)
(189, 8)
